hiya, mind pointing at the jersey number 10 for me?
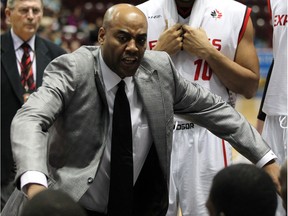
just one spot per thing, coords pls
(203, 70)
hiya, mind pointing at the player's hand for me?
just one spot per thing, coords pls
(170, 40)
(33, 189)
(196, 42)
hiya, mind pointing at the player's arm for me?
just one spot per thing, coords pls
(241, 76)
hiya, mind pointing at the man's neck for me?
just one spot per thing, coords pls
(184, 8)
(183, 3)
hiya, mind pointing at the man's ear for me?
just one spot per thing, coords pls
(101, 35)
(7, 14)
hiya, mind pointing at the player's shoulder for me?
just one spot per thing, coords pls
(230, 5)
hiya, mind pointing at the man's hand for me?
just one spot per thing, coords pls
(33, 189)
(196, 42)
(273, 169)
(170, 40)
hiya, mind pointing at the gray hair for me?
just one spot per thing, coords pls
(11, 3)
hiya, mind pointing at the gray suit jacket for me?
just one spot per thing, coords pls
(61, 131)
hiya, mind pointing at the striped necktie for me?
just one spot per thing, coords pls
(27, 79)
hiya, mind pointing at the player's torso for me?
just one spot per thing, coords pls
(222, 21)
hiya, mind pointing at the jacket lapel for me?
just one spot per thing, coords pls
(42, 60)
(147, 82)
(9, 61)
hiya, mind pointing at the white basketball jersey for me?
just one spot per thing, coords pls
(275, 102)
(212, 15)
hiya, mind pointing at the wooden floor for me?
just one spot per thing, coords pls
(249, 108)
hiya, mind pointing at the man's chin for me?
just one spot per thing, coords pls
(31, 30)
(129, 70)
(129, 73)
(126, 73)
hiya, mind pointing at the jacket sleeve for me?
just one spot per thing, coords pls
(29, 128)
(210, 111)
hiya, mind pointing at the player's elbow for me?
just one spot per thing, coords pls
(251, 91)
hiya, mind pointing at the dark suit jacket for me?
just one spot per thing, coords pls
(12, 91)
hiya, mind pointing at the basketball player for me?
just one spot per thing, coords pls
(211, 43)
(275, 100)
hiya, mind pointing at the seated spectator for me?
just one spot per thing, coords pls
(242, 189)
(52, 202)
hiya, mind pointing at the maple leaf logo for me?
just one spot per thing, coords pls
(216, 14)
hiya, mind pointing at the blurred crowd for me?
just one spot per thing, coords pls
(71, 23)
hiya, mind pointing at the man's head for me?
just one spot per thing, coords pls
(242, 189)
(24, 17)
(123, 39)
(52, 202)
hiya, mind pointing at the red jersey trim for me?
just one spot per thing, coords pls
(224, 154)
(245, 22)
(269, 8)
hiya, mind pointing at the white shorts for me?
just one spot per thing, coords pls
(197, 155)
(275, 134)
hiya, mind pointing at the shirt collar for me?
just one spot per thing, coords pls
(17, 41)
(111, 79)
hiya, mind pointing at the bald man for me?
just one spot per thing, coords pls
(68, 123)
